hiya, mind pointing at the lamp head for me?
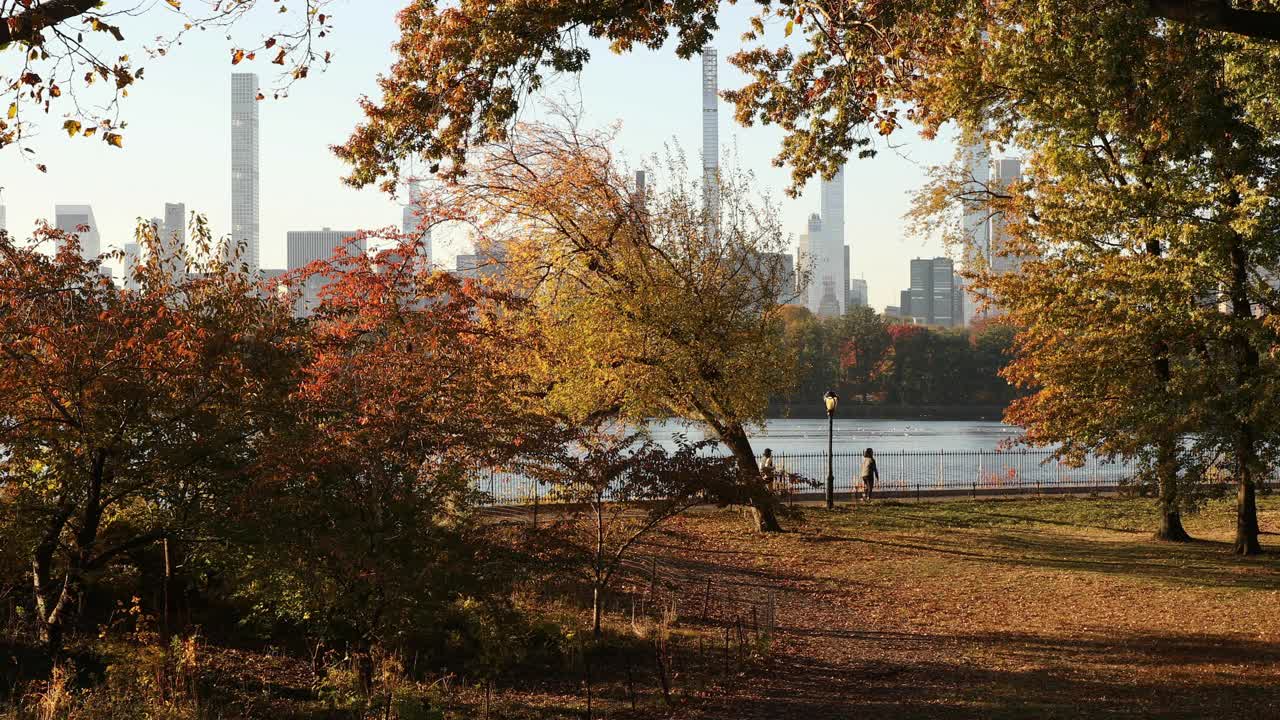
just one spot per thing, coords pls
(831, 400)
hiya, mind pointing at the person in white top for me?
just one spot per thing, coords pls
(870, 473)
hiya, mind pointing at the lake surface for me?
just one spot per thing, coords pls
(854, 435)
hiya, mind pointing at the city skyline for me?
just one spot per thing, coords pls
(178, 121)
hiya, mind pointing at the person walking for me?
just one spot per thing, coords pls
(767, 469)
(870, 473)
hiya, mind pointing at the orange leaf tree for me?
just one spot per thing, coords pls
(126, 415)
(406, 396)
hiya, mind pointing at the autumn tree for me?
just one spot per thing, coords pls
(646, 306)
(70, 58)
(832, 74)
(361, 516)
(127, 415)
(1148, 199)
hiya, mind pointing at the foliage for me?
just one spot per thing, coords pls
(128, 416)
(857, 70)
(1150, 203)
(70, 55)
(367, 493)
(865, 358)
(642, 304)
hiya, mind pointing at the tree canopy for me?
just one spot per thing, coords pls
(831, 74)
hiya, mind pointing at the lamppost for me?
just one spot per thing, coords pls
(831, 399)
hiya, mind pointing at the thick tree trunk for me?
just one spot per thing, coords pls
(1167, 456)
(1246, 520)
(760, 499)
(1170, 513)
(1247, 361)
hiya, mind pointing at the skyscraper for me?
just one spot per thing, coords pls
(175, 228)
(710, 140)
(132, 257)
(3, 226)
(931, 300)
(1003, 259)
(411, 221)
(805, 254)
(857, 293)
(244, 166)
(79, 220)
(171, 240)
(976, 224)
(823, 253)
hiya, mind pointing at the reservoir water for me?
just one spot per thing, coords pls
(853, 435)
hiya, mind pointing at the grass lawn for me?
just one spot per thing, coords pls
(1043, 608)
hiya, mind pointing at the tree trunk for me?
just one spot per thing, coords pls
(1246, 520)
(1247, 361)
(1170, 513)
(1167, 455)
(760, 499)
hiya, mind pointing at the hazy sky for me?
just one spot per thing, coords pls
(177, 146)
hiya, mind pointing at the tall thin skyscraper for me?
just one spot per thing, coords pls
(975, 224)
(710, 139)
(244, 166)
(3, 226)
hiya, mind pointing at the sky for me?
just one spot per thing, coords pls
(177, 146)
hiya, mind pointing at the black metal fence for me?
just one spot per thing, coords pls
(902, 474)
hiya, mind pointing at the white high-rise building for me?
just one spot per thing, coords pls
(3, 225)
(710, 140)
(411, 221)
(1008, 171)
(132, 257)
(976, 223)
(244, 166)
(79, 220)
(828, 277)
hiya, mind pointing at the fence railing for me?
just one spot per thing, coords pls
(903, 473)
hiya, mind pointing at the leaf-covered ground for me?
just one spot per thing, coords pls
(1046, 608)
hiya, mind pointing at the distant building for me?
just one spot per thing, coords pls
(411, 222)
(710, 141)
(79, 220)
(132, 258)
(303, 247)
(245, 208)
(932, 297)
(857, 293)
(3, 223)
(1003, 259)
(478, 266)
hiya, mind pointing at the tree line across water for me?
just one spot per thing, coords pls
(871, 360)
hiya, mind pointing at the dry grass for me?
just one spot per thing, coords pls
(1012, 609)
